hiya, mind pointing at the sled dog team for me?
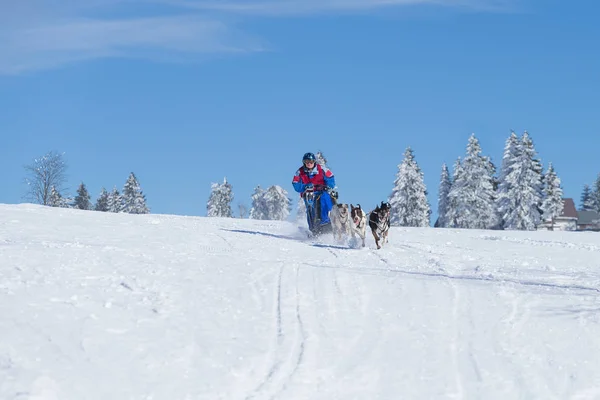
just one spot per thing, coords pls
(344, 221)
(353, 221)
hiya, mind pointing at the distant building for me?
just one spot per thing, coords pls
(572, 220)
(588, 221)
(566, 221)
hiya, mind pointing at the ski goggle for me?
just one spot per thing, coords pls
(307, 161)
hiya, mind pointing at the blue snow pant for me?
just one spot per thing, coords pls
(325, 205)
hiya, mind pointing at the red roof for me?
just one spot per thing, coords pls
(569, 209)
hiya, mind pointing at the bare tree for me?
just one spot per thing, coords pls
(43, 174)
(243, 210)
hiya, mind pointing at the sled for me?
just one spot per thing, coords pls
(313, 213)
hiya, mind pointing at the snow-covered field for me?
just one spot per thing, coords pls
(117, 306)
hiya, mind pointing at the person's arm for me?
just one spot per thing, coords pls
(297, 183)
(329, 178)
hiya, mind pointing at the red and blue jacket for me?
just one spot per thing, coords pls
(318, 176)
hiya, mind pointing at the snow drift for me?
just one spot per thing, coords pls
(117, 306)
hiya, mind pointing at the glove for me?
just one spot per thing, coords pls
(332, 192)
(309, 186)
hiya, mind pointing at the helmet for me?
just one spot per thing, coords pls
(309, 157)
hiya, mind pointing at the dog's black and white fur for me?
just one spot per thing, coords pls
(359, 222)
(379, 222)
(340, 221)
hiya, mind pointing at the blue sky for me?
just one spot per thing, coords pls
(185, 92)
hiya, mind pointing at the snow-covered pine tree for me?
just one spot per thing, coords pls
(56, 199)
(553, 203)
(278, 203)
(587, 201)
(492, 171)
(134, 200)
(596, 195)
(219, 202)
(409, 195)
(524, 182)
(321, 159)
(538, 171)
(454, 209)
(82, 200)
(102, 201)
(477, 196)
(115, 201)
(444, 190)
(495, 182)
(259, 209)
(505, 202)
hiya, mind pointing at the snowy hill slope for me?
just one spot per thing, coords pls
(115, 306)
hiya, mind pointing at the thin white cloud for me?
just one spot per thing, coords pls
(299, 7)
(80, 39)
(39, 38)
(39, 34)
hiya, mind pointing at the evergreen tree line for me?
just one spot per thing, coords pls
(590, 198)
(131, 200)
(520, 197)
(270, 204)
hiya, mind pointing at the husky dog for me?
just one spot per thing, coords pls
(340, 221)
(359, 222)
(379, 222)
